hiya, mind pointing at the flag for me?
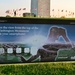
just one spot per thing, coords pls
(24, 8)
(20, 9)
(52, 9)
(73, 13)
(8, 11)
(66, 11)
(62, 10)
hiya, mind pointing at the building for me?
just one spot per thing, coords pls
(40, 8)
(34, 7)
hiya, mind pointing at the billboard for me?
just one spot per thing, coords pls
(36, 42)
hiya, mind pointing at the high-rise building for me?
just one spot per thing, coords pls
(41, 8)
(34, 7)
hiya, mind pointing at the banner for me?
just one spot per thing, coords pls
(22, 43)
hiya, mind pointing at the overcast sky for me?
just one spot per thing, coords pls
(16, 4)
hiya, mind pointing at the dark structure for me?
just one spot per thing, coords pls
(29, 15)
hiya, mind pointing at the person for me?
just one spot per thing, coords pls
(15, 13)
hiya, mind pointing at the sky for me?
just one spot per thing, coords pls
(16, 4)
(63, 4)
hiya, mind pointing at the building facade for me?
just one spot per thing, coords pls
(34, 7)
(41, 8)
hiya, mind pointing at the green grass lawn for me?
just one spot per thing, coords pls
(42, 18)
(50, 68)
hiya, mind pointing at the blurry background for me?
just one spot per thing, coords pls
(58, 8)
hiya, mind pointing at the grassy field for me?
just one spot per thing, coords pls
(50, 68)
(41, 18)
